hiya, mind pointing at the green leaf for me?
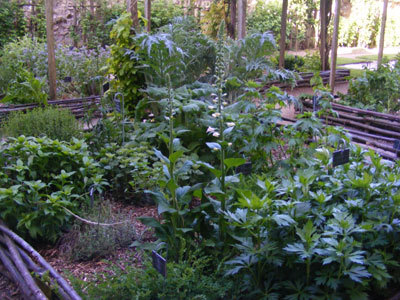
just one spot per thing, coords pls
(161, 156)
(234, 162)
(149, 221)
(283, 220)
(175, 156)
(214, 146)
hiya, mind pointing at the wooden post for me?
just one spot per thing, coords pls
(50, 50)
(382, 35)
(325, 16)
(147, 13)
(334, 46)
(232, 17)
(282, 42)
(323, 33)
(242, 6)
(131, 7)
(32, 26)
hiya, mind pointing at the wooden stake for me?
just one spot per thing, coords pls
(334, 46)
(147, 13)
(325, 10)
(282, 43)
(232, 24)
(242, 6)
(50, 50)
(131, 7)
(382, 35)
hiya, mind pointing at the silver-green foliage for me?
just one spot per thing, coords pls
(52, 122)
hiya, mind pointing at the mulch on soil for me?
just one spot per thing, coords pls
(88, 270)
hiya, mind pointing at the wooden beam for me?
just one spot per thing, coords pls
(382, 35)
(334, 46)
(282, 42)
(50, 50)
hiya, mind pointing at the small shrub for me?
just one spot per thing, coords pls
(25, 89)
(42, 176)
(12, 21)
(187, 280)
(51, 122)
(266, 17)
(130, 168)
(86, 241)
(162, 12)
(312, 62)
(292, 62)
(377, 90)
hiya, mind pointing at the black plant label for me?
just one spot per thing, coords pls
(159, 263)
(341, 157)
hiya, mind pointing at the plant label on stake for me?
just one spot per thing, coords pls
(159, 263)
(341, 157)
(106, 87)
(396, 146)
(315, 103)
(245, 169)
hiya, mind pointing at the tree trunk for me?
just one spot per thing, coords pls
(50, 50)
(232, 19)
(325, 16)
(242, 6)
(147, 13)
(334, 46)
(282, 42)
(382, 35)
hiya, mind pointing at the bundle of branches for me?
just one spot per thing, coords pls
(305, 79)
(20, 261)
(370, 129)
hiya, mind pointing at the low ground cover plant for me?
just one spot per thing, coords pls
(87, 240)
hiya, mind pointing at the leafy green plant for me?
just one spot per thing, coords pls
(124, 66)
(130, 169)
(95, 27)
(191, 279)
(86, 67)
(378, 90)
(321, 224)
(162, 12)
(40, 179)
(25, 89)
(12, 22)
(266, 16)
(52, 122)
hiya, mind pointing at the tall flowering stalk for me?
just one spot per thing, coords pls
(220, 72)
